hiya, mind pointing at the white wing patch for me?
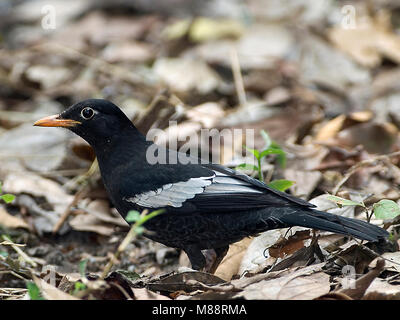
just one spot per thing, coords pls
(224, 184)
(175, 194)
(172, 194)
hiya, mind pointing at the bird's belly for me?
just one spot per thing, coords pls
(205, 230)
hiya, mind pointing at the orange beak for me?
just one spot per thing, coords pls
(55, 121)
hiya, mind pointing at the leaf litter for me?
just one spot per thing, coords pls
(326, 94)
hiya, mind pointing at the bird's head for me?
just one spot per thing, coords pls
(95, 120)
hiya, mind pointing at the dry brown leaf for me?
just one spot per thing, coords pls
(392, 261)
(370, 41)
(331, 128)
(9, 221)
(38, 186)
(380, 289)
(39, 150)
(174, 73)
(87, 222)
(208, 114)
(375, 137)
(306, 181)
(362, 284)
(361, 116)
(231, 263)
(99, 218)
(144, 294)
(101, 210)
(127, 51)
(303, 284)
(256, 253)
(50, 292)
(185, 281)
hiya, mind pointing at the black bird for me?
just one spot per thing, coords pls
(207, 206)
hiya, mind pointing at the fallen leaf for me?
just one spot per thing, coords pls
(50, 292)
(331, 128)
(380, 289)
(362, 283)
(392, 261)
(306, 181)
(9, 221)
(372, 40)
(262, 45)
(375, 137)
(128, 51)
(39, 149)
(206, 29)
(48, 76)
(256, 253)
(331, 68)
(30, 183)
(232, 262)
(186, 281)
(303, 284)
(173, 72)
(144, 294)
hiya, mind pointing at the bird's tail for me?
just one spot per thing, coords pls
(315, 219)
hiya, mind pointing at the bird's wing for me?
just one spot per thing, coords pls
(223, 190)
(172, 194)
(258, 185)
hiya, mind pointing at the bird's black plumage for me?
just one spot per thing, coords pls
(207, 206)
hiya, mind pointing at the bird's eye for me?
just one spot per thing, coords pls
(87, 113)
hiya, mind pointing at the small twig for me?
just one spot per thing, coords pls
(8, 243)
(132, 234)
(368, 214)
(225, 287)
(237, 77)
(22, 254)
(78, 196)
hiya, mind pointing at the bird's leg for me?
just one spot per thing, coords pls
(195, 256)
(221, 253)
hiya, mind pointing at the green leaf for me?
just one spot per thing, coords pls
(266, 138)
(255, 152)
(33, 291)
(7, 198)
(79, 286)
(247, 166)
(1, 186)
(139, 230)
(386, 209)
(269, 151)
(82, 267)
(280, 185)
(344, 202)
(130, 275)
(132, 216)
(281, 157)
